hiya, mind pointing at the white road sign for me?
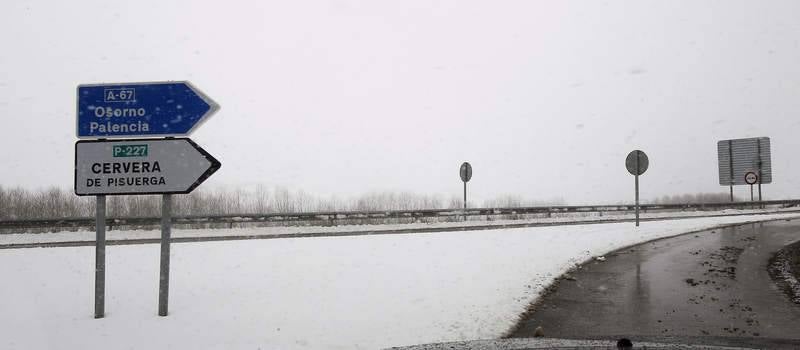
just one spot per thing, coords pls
(140, 166)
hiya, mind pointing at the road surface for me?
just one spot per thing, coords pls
(710, 285)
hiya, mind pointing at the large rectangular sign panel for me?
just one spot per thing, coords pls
(743, 158)
(140, 166)
(141, 109)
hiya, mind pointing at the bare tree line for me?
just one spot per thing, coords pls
(19, 203)
(694, 198)
(54, 202)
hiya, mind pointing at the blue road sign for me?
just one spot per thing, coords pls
(141, 109)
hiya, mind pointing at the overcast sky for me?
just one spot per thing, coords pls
(544, 98)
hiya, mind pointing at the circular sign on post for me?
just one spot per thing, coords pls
(465, 172)
(751, 178)
(637, 162)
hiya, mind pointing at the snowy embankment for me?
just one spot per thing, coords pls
(363, 292)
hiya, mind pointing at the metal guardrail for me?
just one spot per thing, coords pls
(331, 217)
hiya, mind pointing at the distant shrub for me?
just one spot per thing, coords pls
(693, 198)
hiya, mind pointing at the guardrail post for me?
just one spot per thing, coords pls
(362, 217)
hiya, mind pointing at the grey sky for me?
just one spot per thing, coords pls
(544, 98)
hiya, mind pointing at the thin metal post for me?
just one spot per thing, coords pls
(465, 200)
(760, 165)
(166, 231)
(730, 167)
(751, 197)
(637, 198)
(636, 177)
(100, 258)
(760, 205)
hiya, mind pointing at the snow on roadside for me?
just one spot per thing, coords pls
(362, 292)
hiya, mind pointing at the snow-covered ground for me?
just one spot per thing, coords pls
(89, 235)
(361, 292)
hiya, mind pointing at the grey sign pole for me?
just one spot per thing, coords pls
(637, 163)
(465, 200)
(730, 155)
(100, 258)
(166, 231)
(760, 165)
(751, 178)
(465, 195)
(636, 180)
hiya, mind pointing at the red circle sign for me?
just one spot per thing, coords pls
(750, 178)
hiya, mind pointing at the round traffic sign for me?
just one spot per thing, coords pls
(465, 171)
(637, 162)
(750, 178)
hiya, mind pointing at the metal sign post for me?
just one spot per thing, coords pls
(730, 154)
(139, 166)
(760, 165)
(166, 232)
(636, 180)
(637, 163)
(751, 178)
(466, 174)
(100, 258)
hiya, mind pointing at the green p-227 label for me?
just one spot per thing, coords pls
(130, 151)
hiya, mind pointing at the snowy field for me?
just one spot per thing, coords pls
(364, 292)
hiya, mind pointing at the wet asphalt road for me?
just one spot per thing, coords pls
(709, 284)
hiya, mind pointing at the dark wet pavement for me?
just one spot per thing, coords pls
(710, 284)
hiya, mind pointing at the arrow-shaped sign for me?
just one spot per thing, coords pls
(141, 109)
(141, 166)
